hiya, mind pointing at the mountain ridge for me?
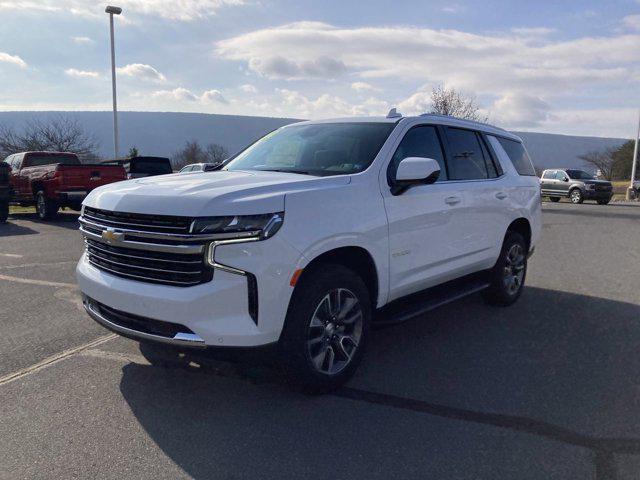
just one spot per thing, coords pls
(163, 133)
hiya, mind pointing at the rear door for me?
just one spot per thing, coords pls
(483, 209)
(421, 232)
(547, 182)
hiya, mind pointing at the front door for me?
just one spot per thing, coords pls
(422, 226)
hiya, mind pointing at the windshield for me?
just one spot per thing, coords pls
(317, 149)
(579, 175)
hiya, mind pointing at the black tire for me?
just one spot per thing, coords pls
(554, 199)
(576, 196)
(500, 291)
(603, 202)
(45, 208)
(312, 303)
(4, 211)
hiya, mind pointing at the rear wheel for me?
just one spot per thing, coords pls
(326, 328)
(576, 196)
(554, 199)
(4, 211)
(45, 208)
(508, 274)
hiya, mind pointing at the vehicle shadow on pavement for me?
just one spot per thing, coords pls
(10, 229)
(556, 369)
(63, 219)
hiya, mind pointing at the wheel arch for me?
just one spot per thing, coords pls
(356, 258)
(523, 227)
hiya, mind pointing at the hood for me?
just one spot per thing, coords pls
(208, 193)
(597, 182)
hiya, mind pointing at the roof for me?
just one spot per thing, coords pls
(429, 117)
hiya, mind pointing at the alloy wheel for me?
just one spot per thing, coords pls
(335, 331)
(514, 269)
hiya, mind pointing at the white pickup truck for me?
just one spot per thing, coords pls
(311, 235)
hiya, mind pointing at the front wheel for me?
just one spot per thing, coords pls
(508, 274)
(554, 199)
(603, 202)
(326, 328)
(576, 196)
(45, 208)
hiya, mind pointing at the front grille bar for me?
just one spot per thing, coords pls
(141, 277)
(138, 257)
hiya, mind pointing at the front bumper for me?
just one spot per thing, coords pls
(597, 195)
(218, 312)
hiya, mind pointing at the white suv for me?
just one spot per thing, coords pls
(310, 236)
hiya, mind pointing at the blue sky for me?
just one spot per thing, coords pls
(565, 67)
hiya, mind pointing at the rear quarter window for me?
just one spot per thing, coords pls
(518, 156)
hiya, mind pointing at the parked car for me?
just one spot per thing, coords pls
(50, 180)
(576, 185)
(311, 234)
(140, 167)
(200, 167)
(5, 192)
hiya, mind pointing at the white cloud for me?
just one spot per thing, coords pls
(73, 72)
(14, 59)
(521, 111)
(214, 96)
(533, 31)
(82, 40)
(141, 71)
(177, 94)
(363, 87)
(632, 22)
(419, 102)
(248, 88)
(276, 66)
(184, 10)
(478, 63)
(453, 8)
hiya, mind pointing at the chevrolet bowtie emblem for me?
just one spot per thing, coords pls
(111, 236)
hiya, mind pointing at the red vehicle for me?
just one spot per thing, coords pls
(50, 180)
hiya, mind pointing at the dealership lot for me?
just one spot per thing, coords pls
(545, 389)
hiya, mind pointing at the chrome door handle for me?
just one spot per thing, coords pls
(501, 195)
(452, 200)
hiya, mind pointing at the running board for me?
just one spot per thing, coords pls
(412, 306)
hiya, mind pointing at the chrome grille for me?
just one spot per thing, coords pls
(146, 248)
(149, 266)
(137, 221)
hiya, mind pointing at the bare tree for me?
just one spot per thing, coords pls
(603, 160)
(59, 134)
(216, 153)
(192, 152)
(448, 101)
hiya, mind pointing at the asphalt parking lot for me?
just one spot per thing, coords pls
(548, 388)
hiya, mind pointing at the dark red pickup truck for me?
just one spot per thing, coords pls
(50, 180)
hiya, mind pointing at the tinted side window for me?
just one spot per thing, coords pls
(518, 156)
(467, 160)
(560, 175)
(422, 141)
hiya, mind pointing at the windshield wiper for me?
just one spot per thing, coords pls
(284, 170)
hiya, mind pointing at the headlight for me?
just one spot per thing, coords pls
(264, 225)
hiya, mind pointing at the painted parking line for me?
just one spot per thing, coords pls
(31, 281)
(55, 359)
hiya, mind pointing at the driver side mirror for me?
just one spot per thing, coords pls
(413, 171)
(565, 179)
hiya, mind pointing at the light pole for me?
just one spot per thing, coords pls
(631, 190)
(111, 10)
